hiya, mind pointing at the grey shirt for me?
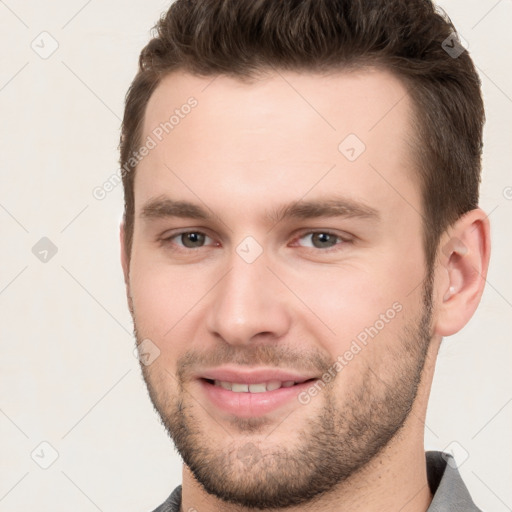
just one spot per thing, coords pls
(450, 493)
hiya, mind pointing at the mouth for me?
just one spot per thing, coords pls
(252, 394)
(257, 387)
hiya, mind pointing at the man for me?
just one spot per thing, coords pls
(301, 231)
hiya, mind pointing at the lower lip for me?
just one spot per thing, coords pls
(250, 405)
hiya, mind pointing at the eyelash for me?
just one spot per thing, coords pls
(342, 240)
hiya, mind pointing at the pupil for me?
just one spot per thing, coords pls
(322, 240)
(192, 239)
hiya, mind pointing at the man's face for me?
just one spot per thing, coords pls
(271, 250)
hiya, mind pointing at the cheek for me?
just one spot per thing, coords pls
(343, 298)
(164, 305)
(163, 299)
(357, 302)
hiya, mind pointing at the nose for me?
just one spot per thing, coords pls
(249, 305)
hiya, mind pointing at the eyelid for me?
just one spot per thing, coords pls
(170, 235)
(344, 239)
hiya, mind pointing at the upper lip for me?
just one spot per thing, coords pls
(253, 376)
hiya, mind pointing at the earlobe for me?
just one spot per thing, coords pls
(464, 260)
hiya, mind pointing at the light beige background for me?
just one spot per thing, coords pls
(68, 376)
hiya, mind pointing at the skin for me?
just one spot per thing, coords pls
(246, 150)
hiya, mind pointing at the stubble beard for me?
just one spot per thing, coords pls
(251, 471)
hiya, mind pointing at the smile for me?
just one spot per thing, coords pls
(259, 387)
(252, 394)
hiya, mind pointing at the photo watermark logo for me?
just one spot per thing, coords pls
(356, 346)
(157, 135)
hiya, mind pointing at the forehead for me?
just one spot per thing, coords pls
(287, 129)
(361, 100)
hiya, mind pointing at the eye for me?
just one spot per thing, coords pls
(190, 239)
(320, 240)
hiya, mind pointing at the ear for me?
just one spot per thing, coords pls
(125, 263)
(125, 259)
(460, 279)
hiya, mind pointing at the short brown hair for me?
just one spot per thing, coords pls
(410, 38)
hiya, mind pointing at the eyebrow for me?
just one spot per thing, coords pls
(164, 207)
(328, 207)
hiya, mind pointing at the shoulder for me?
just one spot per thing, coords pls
(172, 503)
(446, 485)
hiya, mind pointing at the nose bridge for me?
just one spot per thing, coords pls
(248, 303)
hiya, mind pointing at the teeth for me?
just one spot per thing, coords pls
(260, 387)
(257, 388)
(273, 384)
(240, 388)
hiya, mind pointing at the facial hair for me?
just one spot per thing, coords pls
(248, 469)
